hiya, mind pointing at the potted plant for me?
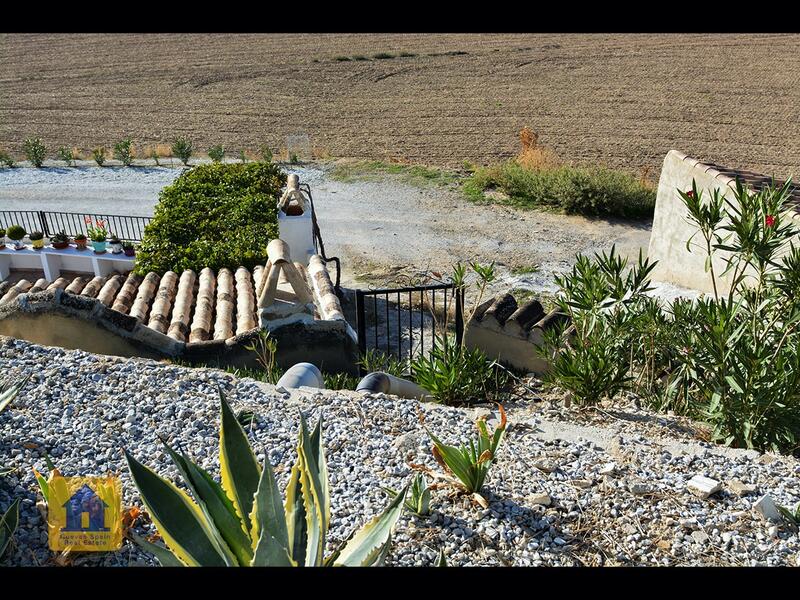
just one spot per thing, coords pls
(60, 240)
(2, 238)
(116, 245)
(37, 239)
(15, 233)
(98, 234)
(129, 249)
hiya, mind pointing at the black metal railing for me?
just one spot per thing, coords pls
(404, 322)
(126, 227)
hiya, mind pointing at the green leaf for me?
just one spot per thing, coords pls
(9, 391)
(179, 521)
(8, 525)
(312, 492)
(369, 545)
(270, 553)
(441, 560)
(216, 506)
(237, 463)
(164, 556)
(268, 514)
(456, 462)
(296, 516)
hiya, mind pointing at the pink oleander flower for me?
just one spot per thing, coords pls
(770, 220)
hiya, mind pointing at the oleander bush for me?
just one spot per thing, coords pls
(728, 359)
(182, 148)
(214, 215)
(35, 151)
(123, 152)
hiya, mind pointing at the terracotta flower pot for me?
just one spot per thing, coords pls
(60, 245)
(80, 244)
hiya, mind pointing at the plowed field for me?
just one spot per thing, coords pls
(622, 100)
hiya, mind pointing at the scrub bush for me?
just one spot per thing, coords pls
(99, 156)
(215, 215)
(6, 159)
(123, 152)
(216, 153)
(66, 155)
(182, 148)
(35, 151)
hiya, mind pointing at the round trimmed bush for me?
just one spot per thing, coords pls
(215, 215)
(16, 232)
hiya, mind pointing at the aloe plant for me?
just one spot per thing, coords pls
(8, 525)
(470, 464)
(242, 521)
(418, 499)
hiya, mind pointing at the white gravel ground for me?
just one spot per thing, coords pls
(83, 409)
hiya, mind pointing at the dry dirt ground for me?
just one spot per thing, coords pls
(623, 100)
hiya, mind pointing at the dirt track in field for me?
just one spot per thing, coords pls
(622, 100)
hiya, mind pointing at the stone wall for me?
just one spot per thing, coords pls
(671, 228)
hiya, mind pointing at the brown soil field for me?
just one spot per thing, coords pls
(621, 100)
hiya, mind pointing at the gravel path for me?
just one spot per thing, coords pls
(621, 502)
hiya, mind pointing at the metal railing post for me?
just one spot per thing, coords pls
(361, 327)
(459, 316)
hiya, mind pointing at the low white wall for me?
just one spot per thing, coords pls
(672, 229)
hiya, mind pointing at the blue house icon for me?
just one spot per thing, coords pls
(85, 501)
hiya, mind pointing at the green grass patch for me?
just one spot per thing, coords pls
(382, 56)
(415, 175)
(590, 191)
(525, 270)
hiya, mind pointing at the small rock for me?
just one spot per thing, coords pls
(765, 506)
(541, 499)
(690, 523)
(703, 486)
(639, 488)
(546, 466)
(773, 531)
(741, 489)
(608, 469)
(581, 483)
(701, 537)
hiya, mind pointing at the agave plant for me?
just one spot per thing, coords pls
(242, 522)
(470, 464)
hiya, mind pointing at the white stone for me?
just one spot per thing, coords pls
(765, 506)
(703, 486)
(608, 469)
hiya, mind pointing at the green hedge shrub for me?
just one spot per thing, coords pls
(591, 191)
(215, 215)
(35, 151)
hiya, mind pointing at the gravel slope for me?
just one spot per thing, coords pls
(85, 408)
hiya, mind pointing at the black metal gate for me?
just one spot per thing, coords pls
(403, 322)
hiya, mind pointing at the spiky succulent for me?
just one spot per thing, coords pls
(418, 499)
(242, 522)
(470, 464)
(8, 525)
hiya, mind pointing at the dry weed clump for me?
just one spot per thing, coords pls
(535, 157)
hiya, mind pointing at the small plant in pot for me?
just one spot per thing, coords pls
(116, 245)
(15, 233)
(80, 241)
(98, 233)
(129, 248)
(60, 240)
(37, 240)
(2, 238)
